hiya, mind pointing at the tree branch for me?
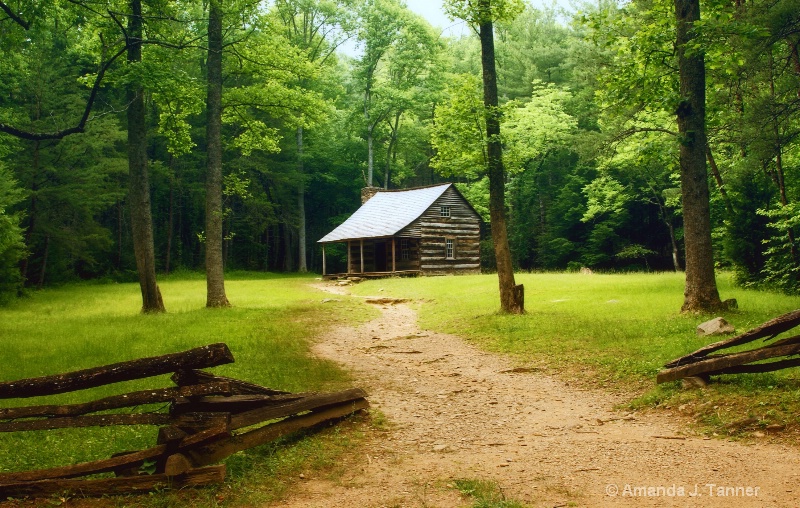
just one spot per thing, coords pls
(636, 130)
(39, 136)
(14, 17)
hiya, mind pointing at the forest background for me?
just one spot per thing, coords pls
(589, 132)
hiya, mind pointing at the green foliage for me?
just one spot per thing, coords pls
(584, 100)
(459, 130)
(781, 269)
(747, 230)
(606, 198)
(476, 13)
(12, 247)
(537, 126)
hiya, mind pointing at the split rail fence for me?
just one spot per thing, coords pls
(703, 364)
(209, 418)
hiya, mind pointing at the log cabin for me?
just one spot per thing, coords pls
(429, 230)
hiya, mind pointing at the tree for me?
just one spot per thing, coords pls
(411, 83)
(700, 292)
(381, 21)
(483, 15)
(215, 270)
(139, 186)
(318, 29)
(638, 83)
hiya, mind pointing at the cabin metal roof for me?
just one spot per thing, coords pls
(386, 214)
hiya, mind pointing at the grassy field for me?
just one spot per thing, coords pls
(601, 331)
(268, 330)
(612, 332)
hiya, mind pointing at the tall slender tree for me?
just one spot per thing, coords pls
(139, 190)
(215, 271)
(482, 15)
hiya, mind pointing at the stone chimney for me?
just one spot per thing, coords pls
(368, 192)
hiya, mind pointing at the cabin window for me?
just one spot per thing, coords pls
(444, 211)
(450, 248)
(405, 252)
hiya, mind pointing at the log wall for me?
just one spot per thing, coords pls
(463, 227)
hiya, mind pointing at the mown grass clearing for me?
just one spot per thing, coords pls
(613, 332)
(268, 329)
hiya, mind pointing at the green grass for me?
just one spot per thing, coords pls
(610, 331)
(268, 329)
(485, 494)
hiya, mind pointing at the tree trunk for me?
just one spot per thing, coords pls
(391, 150)
(215, 272)
(171, 219)
(370, 157)
(511, 295)
(120, 222)
(45, 255)
(720, 183)
(700, 293)
(667, 220)
(676, 263)
(287, 248)
(302, 267)
(139, 190)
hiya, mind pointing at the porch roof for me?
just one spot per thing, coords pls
(386, 213)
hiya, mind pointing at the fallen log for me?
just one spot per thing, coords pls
(770, 330)
(114, 486)
(725, 362)
(185, 377)
(117, 401)
(226, 447)
(201, 357)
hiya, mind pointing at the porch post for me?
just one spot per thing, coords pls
(362, 256)
(349, 261)
(323, 261)
(394, 248)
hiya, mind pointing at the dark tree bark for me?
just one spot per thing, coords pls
(511, 295)
(287, 248)
(700, 293)
(139, 188)
(171, 217)
(215, 272)
(302, 267)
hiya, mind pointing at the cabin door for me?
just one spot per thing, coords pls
(380, 257)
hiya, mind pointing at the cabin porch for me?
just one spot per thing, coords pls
(379, 257)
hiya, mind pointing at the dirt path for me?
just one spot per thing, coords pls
(458, 412)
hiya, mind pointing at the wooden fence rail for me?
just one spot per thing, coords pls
(702, 363)
(209, 418)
